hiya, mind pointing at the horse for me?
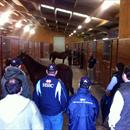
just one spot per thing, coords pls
(59, 55)
(38, 71)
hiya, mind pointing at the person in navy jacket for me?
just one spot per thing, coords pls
(83, 108)
(51, 98)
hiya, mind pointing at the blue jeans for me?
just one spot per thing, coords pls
(53, 122)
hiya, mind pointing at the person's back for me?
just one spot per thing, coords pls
(83, 109)
(18, 112)
(51, 98)
(14, 71)
(91, 62)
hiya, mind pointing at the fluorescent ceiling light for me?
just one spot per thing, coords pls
(16, 14)
(24, 20)
(44, 18)
(88, 19)
(1, 4)
(18, 24)
(74, 31)
(108, 3)
(64, 11)
(79, 14)
(90, 29)
(47, 6)
(32, 31)
(106, 38)
(27, 28)
(4, 18)
(80, 26)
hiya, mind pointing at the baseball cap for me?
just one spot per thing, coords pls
(85, 82)
(51, 68)
(16, 62)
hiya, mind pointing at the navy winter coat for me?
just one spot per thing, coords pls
(82, 111)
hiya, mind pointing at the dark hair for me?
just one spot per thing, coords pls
(127, 71)
(120, 67)
(13, 85)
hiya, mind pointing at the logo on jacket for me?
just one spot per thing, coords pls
(82, 101)
(48, 84)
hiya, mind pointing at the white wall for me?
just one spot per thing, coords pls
(59, 44)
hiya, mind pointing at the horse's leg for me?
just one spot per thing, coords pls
(63, 61)
(53, 60)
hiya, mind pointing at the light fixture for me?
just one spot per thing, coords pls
(25, 20)
(18, 24)
(44, 18)
(108, 3)
(88, 19)
(47, 6)
(90, 29)
(27, 28)
(79, 14)
(64, 11)
(32, 31)
(16, 14)
(95, 40)
(106, 38)
(1, 4)
(4, 18)
(74, 31)
(80, 26)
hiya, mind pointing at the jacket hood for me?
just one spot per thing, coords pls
(11, 106)
(11, 71)
(83, 90)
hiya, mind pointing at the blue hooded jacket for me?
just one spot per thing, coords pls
(50, 96)
(82, 111)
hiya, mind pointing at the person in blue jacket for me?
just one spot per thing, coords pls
(83, 108)
(51, 98)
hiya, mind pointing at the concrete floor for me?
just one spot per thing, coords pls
(96, 90)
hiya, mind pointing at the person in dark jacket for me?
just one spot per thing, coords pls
(112, 87)
(14, 70)
(83, 108)
(91, 66)
(119, 117)
(51, 98)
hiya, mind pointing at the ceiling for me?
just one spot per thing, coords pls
(63, 16)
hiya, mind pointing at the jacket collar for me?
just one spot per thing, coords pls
(83, 90)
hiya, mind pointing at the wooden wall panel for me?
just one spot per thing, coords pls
(99, 57)
(14, 44)
(114, 55)
(124, 51)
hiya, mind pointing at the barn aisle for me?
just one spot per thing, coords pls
(95, 89)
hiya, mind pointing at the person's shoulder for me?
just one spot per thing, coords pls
(94, 98)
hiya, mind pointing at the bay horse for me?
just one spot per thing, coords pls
(38, 71)
(59, 55)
